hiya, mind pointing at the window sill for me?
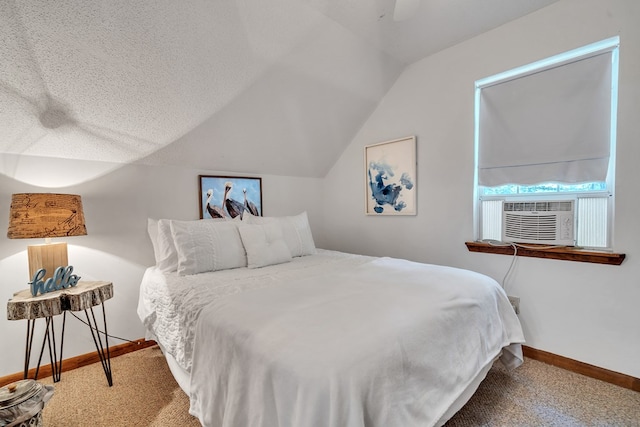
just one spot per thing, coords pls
(565, 253)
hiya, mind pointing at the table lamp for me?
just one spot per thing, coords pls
(46, 215)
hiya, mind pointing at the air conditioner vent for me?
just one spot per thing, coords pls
(546, 206)
(550, 222)
(531, 227)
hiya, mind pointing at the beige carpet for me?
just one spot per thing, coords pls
(145, 394)
(537, 394)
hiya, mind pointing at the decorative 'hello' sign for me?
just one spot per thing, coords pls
(61, 279)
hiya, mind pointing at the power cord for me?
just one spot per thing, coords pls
(99, 331)
(513, 261)
(515, 247)
(493, 242)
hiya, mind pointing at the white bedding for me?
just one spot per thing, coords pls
(169, 305)
(330, 339)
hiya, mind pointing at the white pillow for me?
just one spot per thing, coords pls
(166, 255)
(152, 229)
(295, 230)
(264, 245)
(207, 245)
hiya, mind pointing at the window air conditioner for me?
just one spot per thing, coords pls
(544, 222)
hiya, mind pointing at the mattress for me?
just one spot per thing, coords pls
(331, 339)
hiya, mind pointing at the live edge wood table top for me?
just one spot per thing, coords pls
(83, 296)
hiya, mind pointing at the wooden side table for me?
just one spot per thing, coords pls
(82, 297)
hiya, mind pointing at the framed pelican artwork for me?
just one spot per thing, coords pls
(229, 196)
(390, 177)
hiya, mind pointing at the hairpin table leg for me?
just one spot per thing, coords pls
(103, 350)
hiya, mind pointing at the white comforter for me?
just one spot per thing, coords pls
(370, 342)
(169, 305)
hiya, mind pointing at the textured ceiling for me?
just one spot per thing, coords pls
(261, 86)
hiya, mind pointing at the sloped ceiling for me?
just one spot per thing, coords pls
(260, 86)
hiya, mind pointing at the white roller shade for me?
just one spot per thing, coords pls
(548, 126)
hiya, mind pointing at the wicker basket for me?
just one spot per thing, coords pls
(22, 402)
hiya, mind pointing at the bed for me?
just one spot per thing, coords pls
(303, 336)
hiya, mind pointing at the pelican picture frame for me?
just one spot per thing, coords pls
(390, 177)
(229, 196)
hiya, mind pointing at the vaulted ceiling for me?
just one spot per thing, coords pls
(261, 86)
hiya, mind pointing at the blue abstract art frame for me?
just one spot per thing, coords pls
(244, 193)
(390, 177)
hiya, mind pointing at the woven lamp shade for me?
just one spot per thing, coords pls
(38, 215)
(46, 215)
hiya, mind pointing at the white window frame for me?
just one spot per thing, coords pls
(608, 45)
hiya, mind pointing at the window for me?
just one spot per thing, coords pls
(546, 132)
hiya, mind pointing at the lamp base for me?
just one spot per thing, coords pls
(48, 256)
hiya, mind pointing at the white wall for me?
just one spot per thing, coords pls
(582, 311)
(117, 204)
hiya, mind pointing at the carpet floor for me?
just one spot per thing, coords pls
(145, 394)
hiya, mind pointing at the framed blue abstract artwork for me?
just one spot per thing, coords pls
(390, 169)
(229, 196)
